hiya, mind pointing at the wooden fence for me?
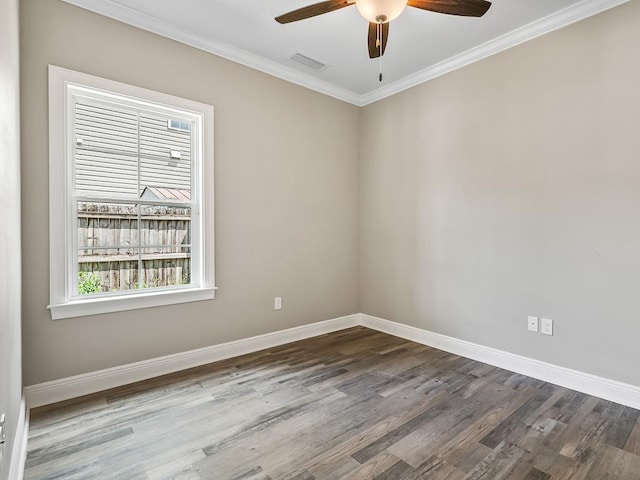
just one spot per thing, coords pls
(127, 246)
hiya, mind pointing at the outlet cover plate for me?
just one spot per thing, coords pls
(546, 326)
(532, 324)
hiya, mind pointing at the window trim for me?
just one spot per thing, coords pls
(63, 304)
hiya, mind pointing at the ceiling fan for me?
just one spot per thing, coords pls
(380, 12)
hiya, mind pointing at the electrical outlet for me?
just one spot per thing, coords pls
(1, 436)
(547, 326)
(2, 428)
(277, 303)
(532, 324)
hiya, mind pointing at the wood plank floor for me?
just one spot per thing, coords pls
(355, 404)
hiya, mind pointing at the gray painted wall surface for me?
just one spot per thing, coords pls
(286, 166)
(505, 189)
(512, 188)
(10, 345)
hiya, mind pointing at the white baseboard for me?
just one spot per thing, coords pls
(612, 390)
(78, 385)
(19, 452)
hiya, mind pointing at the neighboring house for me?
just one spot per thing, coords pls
(113, 143)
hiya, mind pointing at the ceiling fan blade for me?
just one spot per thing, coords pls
(465, 8)
(374, 47)
(313, 10)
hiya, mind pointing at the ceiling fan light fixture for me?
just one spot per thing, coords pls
(380, 11)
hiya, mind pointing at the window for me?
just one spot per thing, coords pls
(174, 124)
(131, 197)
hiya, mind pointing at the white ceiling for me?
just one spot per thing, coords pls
(422, 45)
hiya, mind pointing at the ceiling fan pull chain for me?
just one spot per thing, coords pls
(379, 35)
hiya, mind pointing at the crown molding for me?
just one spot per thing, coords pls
(550, 23)
(131, 16)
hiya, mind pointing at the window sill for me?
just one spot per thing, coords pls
(96, 306)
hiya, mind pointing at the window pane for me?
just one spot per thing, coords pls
(107, 274)
(107, 228)
(165, 225)
(165, 159)
(108, 238)
(165, 269)
(165, 235)
(106, 149)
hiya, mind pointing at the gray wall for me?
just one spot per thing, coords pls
(286, 196)
(10, 356)
(505, 189)
(512, 188)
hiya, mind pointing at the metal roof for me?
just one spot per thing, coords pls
(164, 193)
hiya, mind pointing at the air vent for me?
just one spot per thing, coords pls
(308, 62)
